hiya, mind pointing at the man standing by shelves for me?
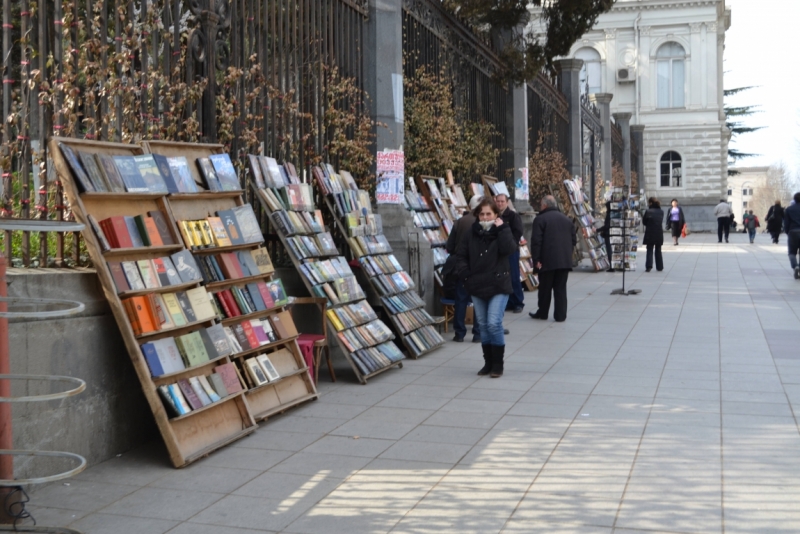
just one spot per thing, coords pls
(552, 240)
(514, 221)
(462, 299)
(723, 214)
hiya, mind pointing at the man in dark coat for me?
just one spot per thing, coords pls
(791, 225)
(552, 240)
(653, 234)
(516, 301)
(462, 299)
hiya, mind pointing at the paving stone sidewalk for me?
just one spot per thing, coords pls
(670, 411)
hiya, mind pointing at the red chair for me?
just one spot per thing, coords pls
(318, 342)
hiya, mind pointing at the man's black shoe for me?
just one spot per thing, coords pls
(505, 331)
(537, 316)
(458, 339)
(476, 338)
(609, 270)
(518, 309)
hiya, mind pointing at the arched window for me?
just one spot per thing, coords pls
(671, 169)
(670, 71)
(590, 72)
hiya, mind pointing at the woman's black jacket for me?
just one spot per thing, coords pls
(483, 261)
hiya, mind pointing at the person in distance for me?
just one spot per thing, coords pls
(775, 221)
(462, 299)
(483, 265)
(750, 222)
(552, 240)
(653, 235)
(675, 221)
(723, 214)
(791, 225)
(516, 302)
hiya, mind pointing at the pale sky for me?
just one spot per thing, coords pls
(761, 49)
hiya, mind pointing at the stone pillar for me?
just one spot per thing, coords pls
(637, 134)
(603, 101)
(519, 118)
(569, 71)
(383, 71)
(624, 122)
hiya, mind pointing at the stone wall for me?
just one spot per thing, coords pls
(111, 416)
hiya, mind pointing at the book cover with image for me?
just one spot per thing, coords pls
(150, 174)
(226, 174)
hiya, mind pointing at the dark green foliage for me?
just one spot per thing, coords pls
(523, 55)
(736, 126)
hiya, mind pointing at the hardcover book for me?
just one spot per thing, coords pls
(255, 169)
(198, 389)
(186, 266)
(256, 372)
(218, 232)
(209, 175)
(162, 163)
(189, 394)
(132, 275)
(182, 175)
(81, 178)
(118, 274)
(133, 232)
(266, 365)
(129, 171)
(149, 277)
(198, 297)
(232, 226)
(278, 294)
(248, 224)
(150, 173)
(230, 378)
(216, 334)
(173, 278)
(204, 383)
(179, 399)
(109, 171)
(93, 172)
(218, 384)
(186, 306)
(226, 174)
(174, 309)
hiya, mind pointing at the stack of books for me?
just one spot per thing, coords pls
(174, 354)
(156, 312)
(121, 231)
(413, 319)
(581, 211)
(351, 315)
(236, 226)
(375, 358)
(154, 273)
(251, 298)
(196, 392)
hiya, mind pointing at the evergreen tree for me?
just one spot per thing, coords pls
(733, 116)
(522, 54)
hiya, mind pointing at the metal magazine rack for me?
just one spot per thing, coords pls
(12, 489)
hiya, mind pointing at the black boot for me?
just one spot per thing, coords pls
(498, 352)
(487, 360)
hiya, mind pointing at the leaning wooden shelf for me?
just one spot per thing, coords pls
(362, 378)
(187, 439)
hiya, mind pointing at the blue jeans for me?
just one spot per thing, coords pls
(517, 298)
(460, 311)
(752, 233)
(489, 314)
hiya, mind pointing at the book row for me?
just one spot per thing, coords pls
(439, 256)
(367, 245)
(423, 339)
(425, 220)
(376, 358)
(413, 319)
(436, 238)
(351, 315)
(366, 335)
(390, 284)
(150, 274)
(255, 333)
(156, 312)
(251, 298)
(340, 291)
(331, 183)
(381, 264)
(303, 247)
(416, 202)
(234, 265)
(236, 226)
(402, 302)
(362, 225)
(132, 232)
(267, 173)
(190, 394)
(297, 222)
(174, 354)
(322, 271)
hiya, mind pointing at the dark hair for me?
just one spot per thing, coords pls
(485, 202)
(797, 198)
(653, 202)
(673, 200)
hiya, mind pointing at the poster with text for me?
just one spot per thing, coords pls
(391, 177)
(521, 188)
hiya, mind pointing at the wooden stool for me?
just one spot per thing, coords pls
(449, 308)
(318, 341)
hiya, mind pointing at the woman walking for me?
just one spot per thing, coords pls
(775, 221)
(483, 265)
(653, 235)
(675, 221)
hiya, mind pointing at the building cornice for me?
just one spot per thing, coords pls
(645, 5)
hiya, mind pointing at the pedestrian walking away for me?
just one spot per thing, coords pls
(483, 265)
(516, 302)
(775, 221)
(552, 240)
(653, 234)
(605, 231)
(724, 215)
(791, 225)
(675, 221)
(461, 298)
(750, 222)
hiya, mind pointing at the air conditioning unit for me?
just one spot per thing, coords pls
(626, 75)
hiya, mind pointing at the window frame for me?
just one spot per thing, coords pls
(670, 81)
(597, 60)
(672, 167)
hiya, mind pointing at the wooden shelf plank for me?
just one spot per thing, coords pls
(200, 195)
(271, 345)
(163, 289)
(255, 315)
(221, 250)
(222, 284)
(276, 382)
(219, 444)
(283, 407)
(169, 332)
(160, 250)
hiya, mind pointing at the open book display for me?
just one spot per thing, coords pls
(365, 340)
(352, 210)
(581, 211)
(179, 256)
(624, 238)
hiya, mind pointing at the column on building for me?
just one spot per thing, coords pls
(603, 103)
(569, 75)
(623, 120)
(637, 137)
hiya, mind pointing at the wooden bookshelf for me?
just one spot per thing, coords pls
(413, 352)
(349, 356)
(205, 429)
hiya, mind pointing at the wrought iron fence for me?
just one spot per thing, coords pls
(249, 73)
(591, 137)
(548, 117)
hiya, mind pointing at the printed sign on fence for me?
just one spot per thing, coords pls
(391, 177)
(521, 189)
